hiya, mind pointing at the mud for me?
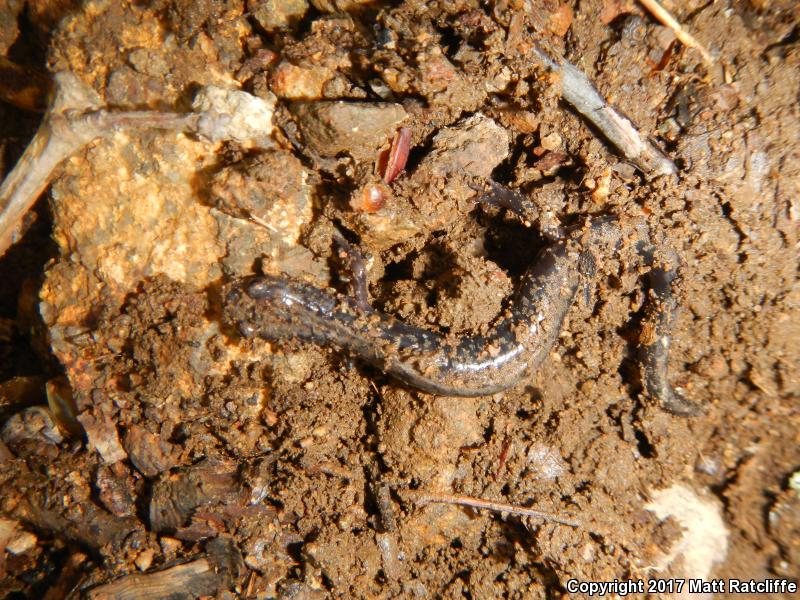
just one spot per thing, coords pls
(284, 468)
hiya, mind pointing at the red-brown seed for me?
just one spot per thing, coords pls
(371, 198)
(398, 154)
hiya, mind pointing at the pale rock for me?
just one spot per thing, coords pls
(300, 82)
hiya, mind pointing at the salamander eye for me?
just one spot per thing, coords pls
(246, 329)
(259, 288)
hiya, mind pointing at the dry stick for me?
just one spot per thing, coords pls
(423, 498)
(578, 91)
(686, 38)
(72, 121)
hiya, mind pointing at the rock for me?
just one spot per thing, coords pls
(136, 226)
(474, 146)
(551, 141)
(144, 559)
(357, 128)
(145, 217)
(149, 454)
(148, 62)
(127, 87)
(270, 188)
(14, 540)
(334, 6)
(115, 489)
(101, 434)
(267, 200)
(21, 542)
(242, 117)
(383, 229)
(35, 424)
(299, 82)
(277, 14)
(545, 462)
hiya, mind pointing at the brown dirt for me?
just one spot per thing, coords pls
(288, 469)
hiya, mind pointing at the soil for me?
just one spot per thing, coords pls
(175, 450)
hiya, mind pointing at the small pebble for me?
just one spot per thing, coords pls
(21, 543)
(144, 560)
(551, 142)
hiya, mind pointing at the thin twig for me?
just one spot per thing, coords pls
(686, 38)
(73, 120)
(423, 498)
(578, 91)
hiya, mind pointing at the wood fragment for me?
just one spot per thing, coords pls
(686, 38)
(423, 498)
(183, 582)
(578, 91)
(176, 497)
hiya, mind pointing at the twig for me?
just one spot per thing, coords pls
(686, 38)
(423, 498)
(75, 118)
(72, 121)
(578, 91)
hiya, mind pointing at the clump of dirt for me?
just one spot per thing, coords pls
(182, 458)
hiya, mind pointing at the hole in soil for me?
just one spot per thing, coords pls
(643, 444)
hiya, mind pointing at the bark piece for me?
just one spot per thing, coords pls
(357, 128)
(177, 497)
(91, 526)
(182, 582)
